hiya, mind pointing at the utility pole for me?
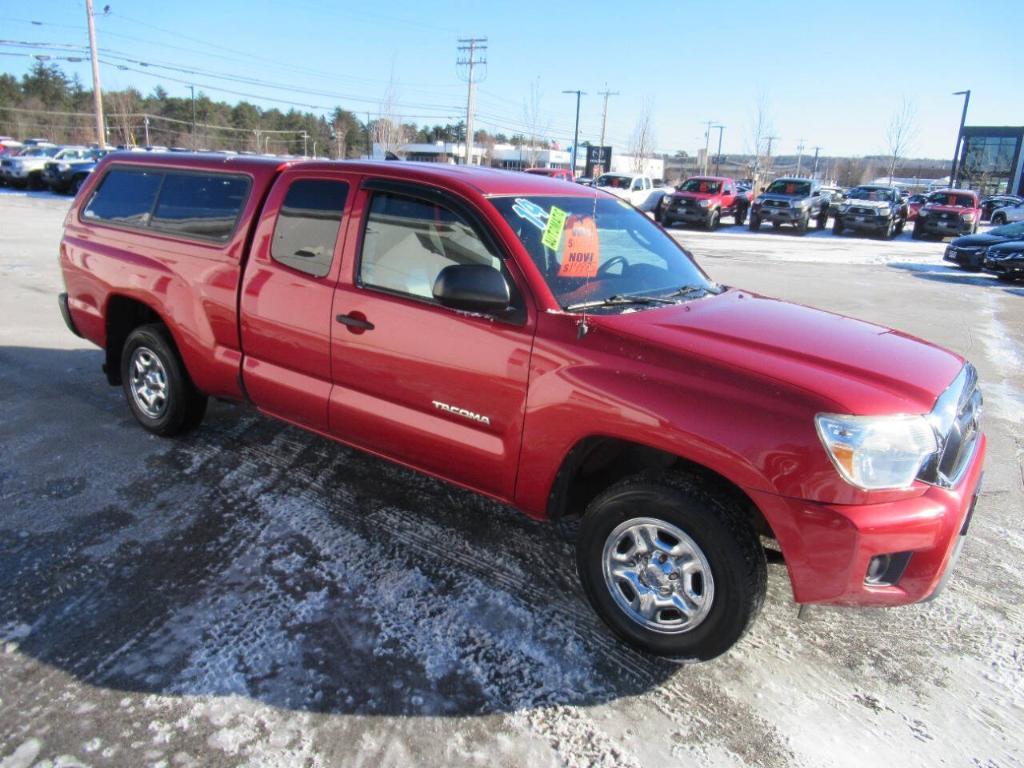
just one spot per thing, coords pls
(954, 172)
(97, 94)
(305, 143)
(814, 172)
(576, 134)
(145, 123)
(604, 122)
(799, 156)
(192, 88)
(718, 157)
(707, 144)
(469, 47)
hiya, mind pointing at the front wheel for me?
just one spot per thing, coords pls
(671, 567)
(712, 222)
(823, 219)
(801, 226)
(755, 222)
(999, 219)
(740, 216)
(160, 393)
(890, 230)
(837, 226)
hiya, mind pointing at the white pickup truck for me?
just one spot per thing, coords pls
(636, 189)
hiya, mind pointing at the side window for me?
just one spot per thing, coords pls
(647, 183)
(408, 242)
(200, 205)
(124, 197)
(307, 225)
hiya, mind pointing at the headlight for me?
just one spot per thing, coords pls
(875, 452)
(802, 203)
(62, 166)
(922, 212)
(969, 216)
(703, 203)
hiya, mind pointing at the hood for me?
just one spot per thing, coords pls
(857, 367)
(1009, 246)
(874, 204)
(930, 207)
(622, 192)
(977, 241)
(695, 195)
(778, 196)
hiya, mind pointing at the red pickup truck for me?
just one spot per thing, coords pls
(551, 347)
(704, 200)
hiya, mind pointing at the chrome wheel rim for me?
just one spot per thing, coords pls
(657, 575)
(148, 382)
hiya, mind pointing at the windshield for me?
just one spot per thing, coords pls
(868, 193)
(1014, 230)
(594, 248)
(916, 199)
(790, 187)
(951, 199)
(701, 185)
(614, 181)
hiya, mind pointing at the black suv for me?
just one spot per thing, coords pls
(790, 201)
(878, 208)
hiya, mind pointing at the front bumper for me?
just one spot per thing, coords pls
(971, 259)
(874, 223)
(939, 226)
(781, 215)
(686, 214)
(1008, 267)
(828, 547)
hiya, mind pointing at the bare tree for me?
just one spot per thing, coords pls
(901, 133)
(387, 129)
(536, 126)
(121, 106)
(761, 130)
(641, 141)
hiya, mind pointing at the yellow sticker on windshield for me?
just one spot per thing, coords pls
(553, 231)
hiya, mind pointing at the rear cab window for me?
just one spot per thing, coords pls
(307, 225)
(197, 205)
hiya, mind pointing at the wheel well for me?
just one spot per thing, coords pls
(124, 315)
(596, 463)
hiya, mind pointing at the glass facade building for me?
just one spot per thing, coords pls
(991, 160)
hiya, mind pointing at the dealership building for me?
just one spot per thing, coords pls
(991, 160)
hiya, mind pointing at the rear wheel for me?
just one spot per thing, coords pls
(741, 215)
(823, 219)
(755, 222)
(672, 568)
(837, 226)
(160, 393)
(918, 233)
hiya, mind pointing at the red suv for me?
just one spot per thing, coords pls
(704, 200)
(546, 345)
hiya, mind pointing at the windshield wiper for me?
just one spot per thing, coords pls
(618, 300)
(686, 290)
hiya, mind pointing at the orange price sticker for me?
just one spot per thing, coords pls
(581, 255)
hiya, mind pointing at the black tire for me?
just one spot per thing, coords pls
(823, 219)
(1004, 278)
(740, 216)
(918, 233)
(183, 406)
(837, 226)
(35, 181)
(755, 222)
(900, 226)
(712, 221)
(999, 219)
(801, 226)
(720, 529)
(890, 230)
(76, 184)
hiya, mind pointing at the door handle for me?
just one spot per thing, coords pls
(355, 322)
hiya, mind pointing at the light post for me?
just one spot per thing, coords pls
(576, 134)
(954, 171)
(718, 156)
(192, 88)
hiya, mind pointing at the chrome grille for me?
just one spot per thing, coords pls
(776, 204)
(956, 419)
(862, 211)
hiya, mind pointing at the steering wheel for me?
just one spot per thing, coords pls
(605, 268)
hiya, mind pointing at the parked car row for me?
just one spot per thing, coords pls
(1000, 252)
(41, 164)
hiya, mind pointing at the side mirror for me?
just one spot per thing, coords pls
(815, 194)
(472, 287)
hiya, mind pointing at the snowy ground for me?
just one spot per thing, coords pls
(253, 595)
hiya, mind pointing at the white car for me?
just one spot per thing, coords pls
(1008, 213)
(635, 189)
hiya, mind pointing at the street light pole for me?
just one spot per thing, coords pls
(576, 134)
(954, 171)
(707, 144)
(718, 156)
(192, 88)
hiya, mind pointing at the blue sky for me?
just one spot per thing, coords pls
(832, 74)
